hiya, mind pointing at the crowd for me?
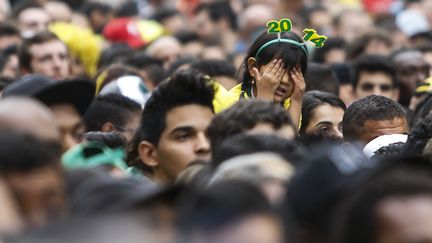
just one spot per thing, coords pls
(216, 121)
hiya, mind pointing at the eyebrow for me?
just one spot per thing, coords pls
(324, 123)
(183, 129)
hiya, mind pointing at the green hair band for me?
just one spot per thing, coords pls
(293, 42)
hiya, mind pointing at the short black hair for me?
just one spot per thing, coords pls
(222, 204)
(374, 64)
(117, 52)
(8, 29)
(113, 108)
(163, 13)
(343, 72)
(245, 115)
(372, 107)
(89, 7)
(23, 5)
(6, 54)
(153, 66)
(218, 10)
(403, 178)
(242, 144)
(25, 153)
(110, 139)
(313, 99)
(215, 67)
(331, 44)
(321, 77)
(185, 87)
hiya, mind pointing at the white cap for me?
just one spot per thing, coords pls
(382, 141)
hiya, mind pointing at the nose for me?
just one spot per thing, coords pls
(377, 90)
(202, 146)
(337, 134)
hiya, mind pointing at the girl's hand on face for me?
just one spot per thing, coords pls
(268, 81)
(299, 84)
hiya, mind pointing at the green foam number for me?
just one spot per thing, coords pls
(312, 36)
(283, 25)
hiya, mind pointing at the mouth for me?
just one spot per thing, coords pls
(281, 91)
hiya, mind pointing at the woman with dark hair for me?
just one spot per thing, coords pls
(273, 71)
(322, 115)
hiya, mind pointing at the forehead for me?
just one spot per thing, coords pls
(374, 76)
(196, 116)
(48, 46)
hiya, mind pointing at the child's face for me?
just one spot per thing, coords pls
(285, 87)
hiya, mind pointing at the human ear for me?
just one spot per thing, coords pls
(108, 127)
(148, 154)
(251, 65)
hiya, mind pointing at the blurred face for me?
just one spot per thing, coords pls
(353, 24)
(33, 20)
(253, 229)
(326, 121)
(9, 40)
(11, 68)
(204, 26)
(50, 59)
(40, 193)
(376, 128)
(183, 140)
(69, 122)
(404, 219)
(375, 83)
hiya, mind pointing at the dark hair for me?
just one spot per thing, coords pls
(331, 44)
(23, 5)
(127, 9)
(24, 55)
(163, 13)
(373, 64)
(221, 205)
(358, 45)
(321, 77)
(8, 29)
(314, 99)
(113, 108)
(390, 151)
(244, 115)
(153, 66)
(24, 153)
(89, 7)
(6, 54)
(215, 67)
(218, 10)
(343, 72)
(373, 107)
(291, 55)
(110, 139)
(117, 52)
(419, 136)
(409, 177)
(242, 144)
(185, 87)
(186, 36)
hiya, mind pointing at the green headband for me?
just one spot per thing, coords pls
(293, 42)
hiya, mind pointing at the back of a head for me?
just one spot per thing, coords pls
(24, 153)
(321, 77)
(221, 205)
(399, 180)
(373, 64)
(113, 108)
(243, 144)
(373, 107)
(245, 115)
(215, 67)
(343, 73)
